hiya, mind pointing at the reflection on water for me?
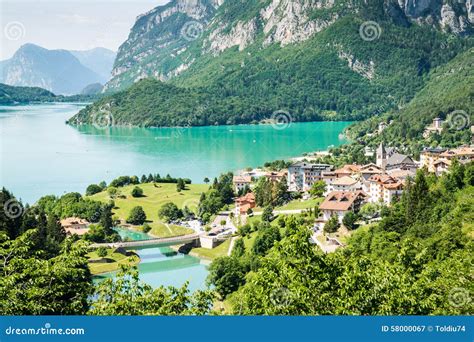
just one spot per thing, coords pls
(162, 266)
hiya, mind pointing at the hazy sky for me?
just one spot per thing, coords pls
(68, 24)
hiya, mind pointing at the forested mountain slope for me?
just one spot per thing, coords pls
(228, 62)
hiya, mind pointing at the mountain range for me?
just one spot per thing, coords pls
(206, 62)
(59, 71)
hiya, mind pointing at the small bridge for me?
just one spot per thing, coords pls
(161, 242)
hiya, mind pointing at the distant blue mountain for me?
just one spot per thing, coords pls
(59, 71)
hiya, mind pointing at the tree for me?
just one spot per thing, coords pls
(55, 232)
(32, 284)
(113, 192)
(318, 189)
(137, 216)
(137, 192)
(227, 274)
(349, 220)
(332, 225)
(206, 180)
(101, 252)
(170, 212)
(267, 215)
(239, 248)
(180, 185)
(265, 239)
(127, 295)
(93, 189)
(146, 228)
(223, 223)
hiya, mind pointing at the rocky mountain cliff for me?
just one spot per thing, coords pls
(166, 41)
(207, 62)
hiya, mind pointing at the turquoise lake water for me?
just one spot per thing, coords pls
(42, 155)
(165, 267)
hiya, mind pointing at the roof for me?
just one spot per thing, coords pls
(349, 168)
(249, 197)
(341, 200)
(402, 174)
(433, 150)
(73, 221)
(370, 168)
(442, 161)
(305, 165)
(398, 158)
(242, 179)
(459, 152)
(346, 180)
(387, 181)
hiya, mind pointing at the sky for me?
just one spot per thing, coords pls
(68, 24)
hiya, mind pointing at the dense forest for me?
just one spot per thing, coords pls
(448, 94)
(310, 81)
(11, 95)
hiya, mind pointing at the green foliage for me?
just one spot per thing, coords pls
(102, 252)
(349, 220)
(318, 189)
(227, 274)
(170, 212)
(220, 194)
(137, 216)
(309, 79)
(93, 189)
(127, 295)
(332, 225)
(266, 238)
(34, 283)
(267, 215)
(239, 248)
(137, 192)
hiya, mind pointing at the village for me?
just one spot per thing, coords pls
(348, 188)
(342, 194)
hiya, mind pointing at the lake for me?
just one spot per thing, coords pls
(40, 154)
(162, 266)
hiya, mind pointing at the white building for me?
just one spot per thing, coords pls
(339, 203)
(240, 182)
(302, 175)
(384, 189)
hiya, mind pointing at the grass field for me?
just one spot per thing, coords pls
(211, 254)
(120, 259)
(154, 197)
